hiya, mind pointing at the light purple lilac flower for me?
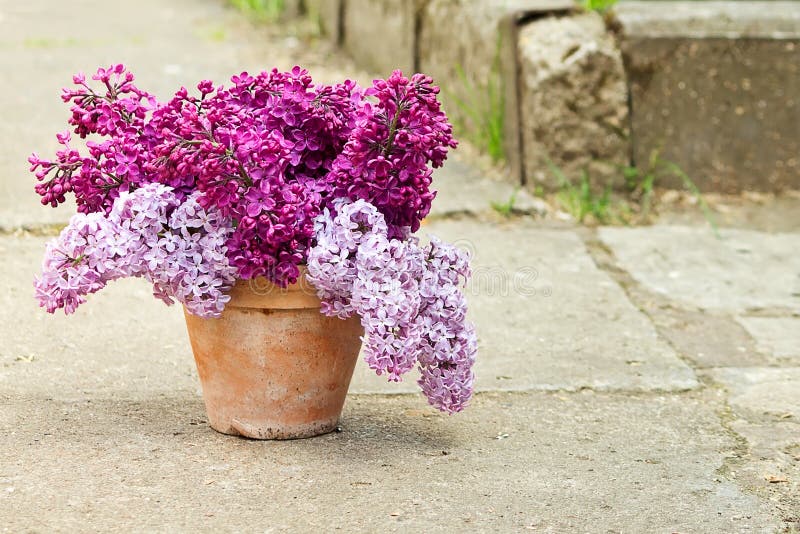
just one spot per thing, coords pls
(177, 246)
(409, 299)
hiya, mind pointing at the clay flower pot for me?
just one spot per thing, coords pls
(272, 366)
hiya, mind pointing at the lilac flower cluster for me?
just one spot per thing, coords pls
(269, 152)
(388, 158)
(117, 114)
(177, 246)
(408, 297)
(258, 151)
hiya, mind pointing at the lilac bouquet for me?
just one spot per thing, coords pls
(255, 180)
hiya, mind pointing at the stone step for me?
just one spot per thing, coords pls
(714, 88)
(771, 19)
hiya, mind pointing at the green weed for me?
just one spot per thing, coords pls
(215, 35)
(693, 189)
(482, 110)
(640, 184)
(598, 5)
(583, 203)
(260, 10)
(580, 201)
(506, 209)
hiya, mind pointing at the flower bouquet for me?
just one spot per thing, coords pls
(271, 188)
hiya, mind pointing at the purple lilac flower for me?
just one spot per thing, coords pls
(409, 299)
(77, 264)
(269, 152)
(259, 150)
(177, 246)
(388, 157)
(117, 113)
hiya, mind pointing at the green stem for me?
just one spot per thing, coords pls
(393, 129)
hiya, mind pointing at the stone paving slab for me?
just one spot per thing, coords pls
(704, 338)
(177, 43)
(122, 340)
(708, 340)
(762, 392)
(739, 271)
(765, 412)
(778, 336)
(552, 318)
(563, 463)
(772, 469)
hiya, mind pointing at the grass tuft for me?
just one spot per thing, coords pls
(482, 110)
(598, 5)
(586, 205)
(579, 200)
(506, 209)
(260, 10)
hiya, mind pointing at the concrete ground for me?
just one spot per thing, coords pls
(629, 379)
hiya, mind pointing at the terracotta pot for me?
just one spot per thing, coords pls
(274, 367)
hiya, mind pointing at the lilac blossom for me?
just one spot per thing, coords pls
(149, 233)
(409, 299)
(257, 151)
(389, 156)
(116, 113)
(270, 151)
(77, 264)
(331, 262)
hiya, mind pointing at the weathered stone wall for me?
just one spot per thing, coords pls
(329, 15)
(380, 34)
(470, 50)
(726, 111)
(573, 105)
(292, 8)
(469, 43)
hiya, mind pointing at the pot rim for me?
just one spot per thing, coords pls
(262, 293)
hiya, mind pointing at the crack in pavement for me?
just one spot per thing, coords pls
(654, 307)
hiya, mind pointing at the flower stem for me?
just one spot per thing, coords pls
(393, 129)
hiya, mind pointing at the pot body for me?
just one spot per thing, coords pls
(272, 366)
